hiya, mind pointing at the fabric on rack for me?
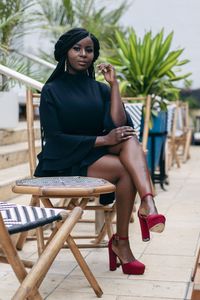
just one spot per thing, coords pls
(135, 112)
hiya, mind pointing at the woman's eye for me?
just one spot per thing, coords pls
(76, 48)
(90, 50)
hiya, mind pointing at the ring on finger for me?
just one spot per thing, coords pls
(122, 134)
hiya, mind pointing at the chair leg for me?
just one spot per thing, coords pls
(21, 240)
(196, 265)
(108, 222)
(84, 267)
(104, 231)
(15, 262)
(41, 267)
(23, 236)
(26, 263)
(186, 154)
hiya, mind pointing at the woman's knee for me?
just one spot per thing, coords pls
(133, 142)
(108, 167)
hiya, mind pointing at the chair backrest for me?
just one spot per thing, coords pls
(134, 106)
(32, 104)
(180, 119)
(184, 113)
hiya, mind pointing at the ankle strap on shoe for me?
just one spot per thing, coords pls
(117, 237)
(147, 194)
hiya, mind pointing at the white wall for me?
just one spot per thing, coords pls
(181, 16)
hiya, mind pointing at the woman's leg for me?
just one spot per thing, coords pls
(110, 168)
(133, 158)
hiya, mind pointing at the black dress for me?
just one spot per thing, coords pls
(74, 110)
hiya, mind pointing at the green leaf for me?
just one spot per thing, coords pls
(166, 46)
(122, 43)
(177, 78)
(147, 52)
(183, 62)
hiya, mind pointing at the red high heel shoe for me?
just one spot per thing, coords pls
(131, 268)
(154, 223)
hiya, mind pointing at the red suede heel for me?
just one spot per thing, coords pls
(154, 223)
(131, 268)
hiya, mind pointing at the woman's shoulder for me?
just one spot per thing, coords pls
(46, 87)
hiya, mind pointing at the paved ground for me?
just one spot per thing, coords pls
(169, 257)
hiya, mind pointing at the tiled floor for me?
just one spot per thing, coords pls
(169, 257)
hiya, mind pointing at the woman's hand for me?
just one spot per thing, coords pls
(119, 135)
(108, 72)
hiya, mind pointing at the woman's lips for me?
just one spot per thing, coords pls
(82, 63)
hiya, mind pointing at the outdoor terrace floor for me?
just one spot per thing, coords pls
(169, 257)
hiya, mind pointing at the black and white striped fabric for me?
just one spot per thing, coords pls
(18, 218)
(170, 117)
(135, 112)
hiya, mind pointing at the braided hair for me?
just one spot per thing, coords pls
(65, 43)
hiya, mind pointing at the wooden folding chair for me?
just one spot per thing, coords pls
(180, 133)
(187, 131)
(134, 106)
(17, 218)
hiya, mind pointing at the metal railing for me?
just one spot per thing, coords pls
(21, 78)
(35, 59)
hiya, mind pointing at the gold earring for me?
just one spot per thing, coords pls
(66, 67)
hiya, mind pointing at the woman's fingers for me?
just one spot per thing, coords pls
(126, 132)
(104, 67)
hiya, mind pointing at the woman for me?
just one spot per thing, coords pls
(87, 132)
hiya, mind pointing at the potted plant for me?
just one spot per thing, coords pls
(147, 66)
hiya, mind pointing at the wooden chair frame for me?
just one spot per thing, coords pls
(196, 279)
(182, 141)
(147, 104)
(31, 281)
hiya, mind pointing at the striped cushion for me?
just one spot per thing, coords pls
(135, 112)
(18, 218)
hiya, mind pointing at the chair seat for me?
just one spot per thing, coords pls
(18, 218)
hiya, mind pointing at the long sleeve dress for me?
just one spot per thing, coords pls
(74, 110)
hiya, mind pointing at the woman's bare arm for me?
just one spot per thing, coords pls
(117, 110)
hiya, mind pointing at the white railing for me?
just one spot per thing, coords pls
(36, 59)
(20, 77)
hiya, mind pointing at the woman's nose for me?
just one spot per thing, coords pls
(83, 52)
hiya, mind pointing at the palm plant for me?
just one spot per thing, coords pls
(15, 17)
(147, 66)
(61, 15)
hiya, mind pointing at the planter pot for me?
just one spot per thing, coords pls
(9, 110)
(156, 148)
(156, 140)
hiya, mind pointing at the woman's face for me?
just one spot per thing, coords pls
(80, 56)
